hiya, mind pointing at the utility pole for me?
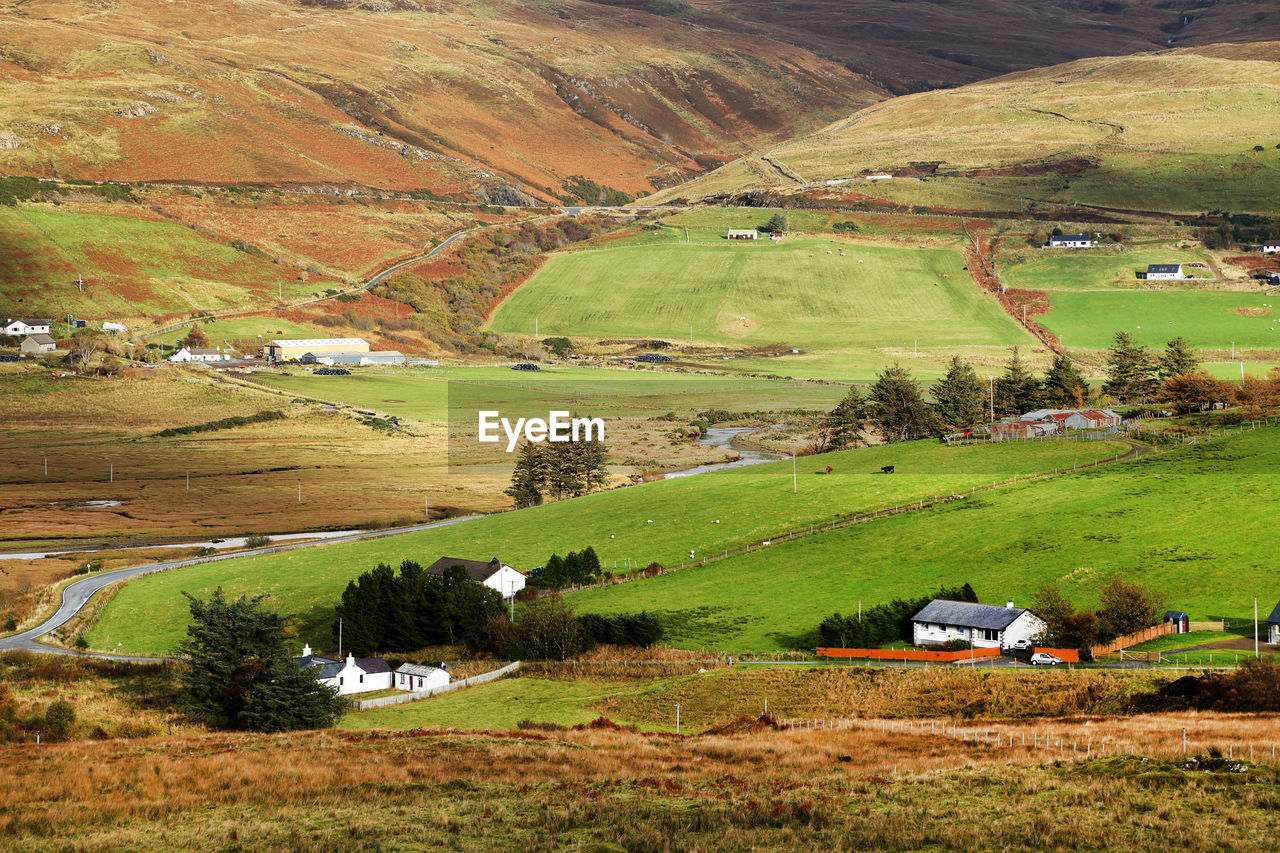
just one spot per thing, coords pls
(991, 383)
(188, 481)
(794, 487)
(113, 472)
(677, 718)
(339, 638)
(299, 491)
(1255, 626)
(426, 506)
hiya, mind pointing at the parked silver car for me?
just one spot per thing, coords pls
(1045, 659)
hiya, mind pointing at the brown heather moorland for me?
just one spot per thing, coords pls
(606, 790)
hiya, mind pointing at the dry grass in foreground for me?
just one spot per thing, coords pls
(600, 789)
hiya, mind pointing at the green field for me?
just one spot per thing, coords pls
(1209, 320)
(809, 294)
(1158, 521)
(131, 266)
(242, 329)
(658, 521)
(426, 393)
(1097, 269)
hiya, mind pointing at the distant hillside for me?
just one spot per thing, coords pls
(913, 45)
(1182, 130)
(498, 99)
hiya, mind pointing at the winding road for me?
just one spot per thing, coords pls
(77, 594)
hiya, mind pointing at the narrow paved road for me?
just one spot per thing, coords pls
(77, 594)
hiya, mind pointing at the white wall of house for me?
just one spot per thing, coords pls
(21, 327)
(1058, 243)
(1025, 627)
(1271, 248)
(1273, 632)
(416, 683)
(181, 355)
(506, 580)
(352, 679)
(1177, 274)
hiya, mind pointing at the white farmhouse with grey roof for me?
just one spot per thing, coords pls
(1070, 241)
(417, 678)
(986, 626)
(363, 675)
(1166, 272)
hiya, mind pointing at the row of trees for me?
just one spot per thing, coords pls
(388, 611)
(549, 629)
(575, 568)
(557, 470)
(895, 406)
(1123, 608)
(883, 623)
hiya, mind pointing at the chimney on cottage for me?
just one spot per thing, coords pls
(351, 659)
(1009, 604)
(306, 650)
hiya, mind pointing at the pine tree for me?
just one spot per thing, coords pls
(554, 575)
(845, 424)
(1017, 389)
(960, 399)
(1129, 371)
(239, 673)
(1064, 386)
(897, 409)
(1178, 359)
(528, 477)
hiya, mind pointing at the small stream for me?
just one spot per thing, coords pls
(723, 437)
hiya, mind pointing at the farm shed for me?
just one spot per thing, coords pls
(287, 348)
(1076, 418)
(1070, 241)
(986, 626)
(740, 234)
(1164, 271)
(414, 677)
(332, 358)
(493, 574)
(37, 344)
(362, 675)
(14, 328)
(1180, 620)
(653, 358)
(1015, 430)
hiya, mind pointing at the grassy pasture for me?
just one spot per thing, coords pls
(1209, 320)
(658, 521)
(1097, 269)
(133, 263)
(1157, 520)
(804, 293)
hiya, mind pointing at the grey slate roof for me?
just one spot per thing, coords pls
(417, 669)
(477, 570)
(1274, 618)
(965, 615)
(1062, 238)
(373, 665)
(1158, 268)
(326, 668)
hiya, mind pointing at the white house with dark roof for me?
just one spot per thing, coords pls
(493, 574)
(1070, 241)
(986, 626)
(1273, 626)
(1165, 272)
(743, 234)
(188, 354)
(1271, 247)
(354, 675)
(416, 678)
(37, 344)
(15, 328)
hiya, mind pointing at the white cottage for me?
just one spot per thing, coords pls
(363, 675)
(16, 328)
(188, 354)
(743, 234)
(1271, 247)
(1070, 241)
(416, 678)
(986, 626)
(493, 574)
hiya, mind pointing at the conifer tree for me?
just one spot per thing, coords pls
(1064, 386)
(960, 399)
(1129, 370)
(897, 409)
(1017, 390)
(1178, 359)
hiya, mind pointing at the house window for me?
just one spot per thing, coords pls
(988, 634)
(339, 680)
(362, 678)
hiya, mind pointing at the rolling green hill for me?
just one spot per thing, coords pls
(1190, 523)
(658, 521)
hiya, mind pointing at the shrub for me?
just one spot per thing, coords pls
(257, 540)
(60, 720)
(956, 646)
